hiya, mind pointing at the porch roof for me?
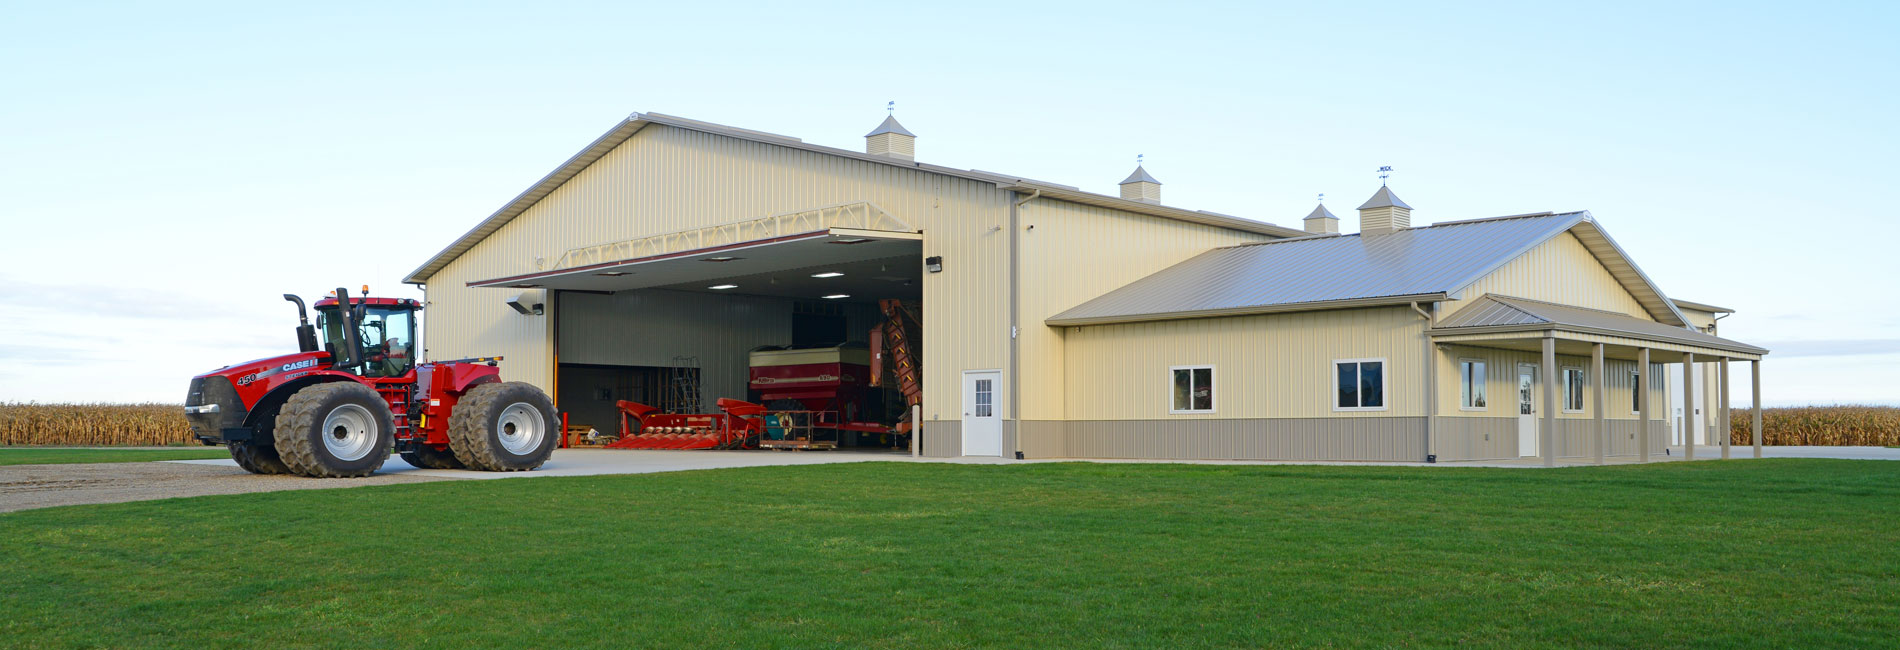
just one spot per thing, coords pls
(1504, 318)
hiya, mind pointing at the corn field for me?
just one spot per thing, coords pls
(92, 424)
(1819, 425)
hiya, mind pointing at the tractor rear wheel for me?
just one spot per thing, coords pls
(335, 430)
(503, 427)
(426, 457)
(257, 459)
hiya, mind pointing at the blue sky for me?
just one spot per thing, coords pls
(169, 170)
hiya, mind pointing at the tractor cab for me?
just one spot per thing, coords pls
(383, 343)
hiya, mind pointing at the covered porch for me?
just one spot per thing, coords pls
(1572, 402)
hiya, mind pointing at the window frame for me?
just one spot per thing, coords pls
(1213, 396)
(1385, 386)
(1583, 380)
(1481, 381)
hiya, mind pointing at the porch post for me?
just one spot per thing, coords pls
(1722, 378)
(1602, 437)
(1642, 403)
(1548, 433)
(1754, 368)
(1688, 406)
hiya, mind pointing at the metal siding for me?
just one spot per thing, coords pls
(1501, 384)
(1266, 366)
(1561, 270)
(1077, 252)
(1043, 438)
(1371, 438)
(1477, 438)
(942, 438)
(667, 179)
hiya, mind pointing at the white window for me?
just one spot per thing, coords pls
(1360, 384)
(1193, 389)
(1573, 390)
(1471, 385)
(985, 399)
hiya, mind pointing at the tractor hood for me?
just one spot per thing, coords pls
(255, 370)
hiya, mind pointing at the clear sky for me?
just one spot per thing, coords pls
(169, 170)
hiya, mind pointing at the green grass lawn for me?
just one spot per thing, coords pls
(61, 455)
(1769, 553)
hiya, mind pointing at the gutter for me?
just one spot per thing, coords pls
(1431, 385)
(1384, 301)
(1724, 344)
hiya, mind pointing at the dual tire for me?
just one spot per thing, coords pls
(345, 430)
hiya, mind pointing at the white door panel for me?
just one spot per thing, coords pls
(982, 413)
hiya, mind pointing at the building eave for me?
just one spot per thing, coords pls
(1355, 303)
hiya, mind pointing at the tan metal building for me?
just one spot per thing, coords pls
(1064, 323)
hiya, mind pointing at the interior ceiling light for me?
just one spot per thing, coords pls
(856, 240)
(723, 287)
(613, 274)
(721, 258)
(827, 274)
(525, 286)
(836, 296)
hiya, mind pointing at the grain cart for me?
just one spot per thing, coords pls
(340, 409)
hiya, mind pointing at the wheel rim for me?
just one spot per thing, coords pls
(520, 428)
(349, 432)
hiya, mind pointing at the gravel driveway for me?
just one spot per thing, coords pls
(23, 487)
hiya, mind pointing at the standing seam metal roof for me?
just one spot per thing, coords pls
(1429, 263)
(1506, 311)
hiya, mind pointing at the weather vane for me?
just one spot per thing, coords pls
(1384, 171)
(891, 107)
(1138, 160)
(1322, 197)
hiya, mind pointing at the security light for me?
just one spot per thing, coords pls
(934, 264)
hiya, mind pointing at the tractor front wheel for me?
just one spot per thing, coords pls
(335, 430)
(426, 457)
(503, 427)
(257, 459)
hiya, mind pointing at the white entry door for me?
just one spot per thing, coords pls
(982, 424)
(1526, 410)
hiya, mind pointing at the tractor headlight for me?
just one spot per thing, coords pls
(201, 409)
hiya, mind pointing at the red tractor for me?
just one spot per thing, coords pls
(339, 410)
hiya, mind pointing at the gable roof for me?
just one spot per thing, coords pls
(1429, 263)
(1504, 313)
(625, 130)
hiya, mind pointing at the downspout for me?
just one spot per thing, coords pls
(1431, 385)
(1015, 309)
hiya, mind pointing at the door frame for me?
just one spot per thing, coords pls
(1527, 422)
(967, 397)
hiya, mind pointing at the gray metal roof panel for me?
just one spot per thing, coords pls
(1321, 213)
(1495, 311)
(890, 125)
(1384, 198)
(1139, 176)
(1411, 262)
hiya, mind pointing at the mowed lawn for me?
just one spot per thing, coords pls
(1774, 553)
(64, 455)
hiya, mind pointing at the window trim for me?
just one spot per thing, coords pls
(1213, 397)
(1385, 386)
(1583, 398)
(1483, 381)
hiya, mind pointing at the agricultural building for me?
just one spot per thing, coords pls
(674, 262)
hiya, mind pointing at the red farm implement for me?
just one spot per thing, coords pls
(739, 426)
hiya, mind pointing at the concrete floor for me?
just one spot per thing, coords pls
(589, 462)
